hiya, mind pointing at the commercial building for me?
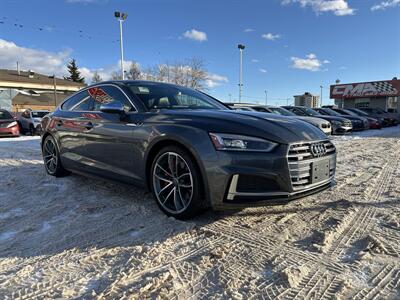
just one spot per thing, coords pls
(20, 90)
(375, 94)
(307, 99)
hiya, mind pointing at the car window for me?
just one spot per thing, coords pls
(299, 112)
(160, 96)
(77, 101)
(107, 94)
(39, 114)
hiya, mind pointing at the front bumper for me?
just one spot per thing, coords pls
(253, 179)
(341, 129)
(12, 131)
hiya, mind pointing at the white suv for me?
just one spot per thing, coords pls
(30, 120)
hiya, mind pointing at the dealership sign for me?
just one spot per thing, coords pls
(366, 89)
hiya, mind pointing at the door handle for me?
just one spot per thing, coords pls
(88, 125)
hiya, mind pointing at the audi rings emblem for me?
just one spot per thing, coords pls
(318, 149)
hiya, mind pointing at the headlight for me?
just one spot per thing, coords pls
(12, 124)
(233, 142)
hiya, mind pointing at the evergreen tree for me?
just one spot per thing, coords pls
(96, 77)
(73, 70)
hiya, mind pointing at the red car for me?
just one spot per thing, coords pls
(8, 125)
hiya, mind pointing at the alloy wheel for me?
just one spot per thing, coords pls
(173, 182)
(50, 156)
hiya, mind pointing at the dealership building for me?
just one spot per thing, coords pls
(375, 94)
(20, 90)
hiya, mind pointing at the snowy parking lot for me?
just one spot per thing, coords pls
(77, 237)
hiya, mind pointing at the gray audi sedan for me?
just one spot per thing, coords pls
(186, 147)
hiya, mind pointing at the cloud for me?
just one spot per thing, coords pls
(343, 68)
(310, 63)
(338, 7)
(195, 35)
(254, 60)
(270, 36)
(214, 80)
(31, 59)
(386, 4)
(263, 71)
(248, 30)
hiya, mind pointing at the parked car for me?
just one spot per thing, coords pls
(339, 125)
(188, 148)
(323, 125)
(381, 121)
(358, 123)
(8, 124)
(391, 119)
(29, 121)
(372, 123)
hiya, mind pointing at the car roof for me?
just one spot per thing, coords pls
(144, 82)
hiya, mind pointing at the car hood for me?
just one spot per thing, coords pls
(38, 120)
(332, 118)
(6, 121)
(354, 118)
(269, 126)
(312, 120)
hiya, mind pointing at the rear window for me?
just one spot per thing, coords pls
(39, 114)
(5, 115)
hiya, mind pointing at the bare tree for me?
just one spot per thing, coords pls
(190, 73)
(134, 72)
(196, 74)
(115, 75)
(96, 77)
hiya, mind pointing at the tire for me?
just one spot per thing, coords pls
(176, 183)
(51, 158)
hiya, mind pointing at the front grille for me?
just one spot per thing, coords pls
(347, 124)
(256, 184)
(301, 158)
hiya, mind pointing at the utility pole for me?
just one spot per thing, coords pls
(230, 97)
(121, 17)
(266, 97)
(241, 48)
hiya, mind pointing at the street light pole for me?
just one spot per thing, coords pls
(266, 97)
(241, 48)
(121, 17)
(321, 95)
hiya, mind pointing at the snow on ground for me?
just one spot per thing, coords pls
(76, 237)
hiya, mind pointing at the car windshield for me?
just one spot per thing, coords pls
(360, 112)
(331, 112)
(311, 112)
(5, 115)
(162, 96)
(351, 113)
(281, 111)
(39, 114)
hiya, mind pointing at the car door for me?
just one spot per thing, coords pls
(70, 124)
(112, 147)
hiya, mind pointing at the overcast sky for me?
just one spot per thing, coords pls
(292, 46)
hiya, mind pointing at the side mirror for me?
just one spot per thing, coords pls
(114, 107)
